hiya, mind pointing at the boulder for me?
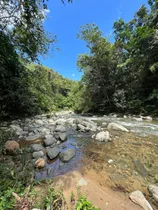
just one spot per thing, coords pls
(43, 130)
(39, 122)
(140, 168)
(117, 127)
(70, 121)
(11, 146)
(60, 128)
(153, 189)
(67, 155)
(60, 121)
(104, 124)
(148, 118)
(49, 170)
(52, 152)
(40, 163)
(50, 121)
(138, 198)
(49, 140)
(80, 127)
(37, 147)
(17, 129)
(38, 154)
(63, 136)
(138, 119)
(103, 136)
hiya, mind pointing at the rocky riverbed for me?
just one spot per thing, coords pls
(125, 156)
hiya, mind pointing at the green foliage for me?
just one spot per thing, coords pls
(84, 204)
(122, 76)
(54, 200)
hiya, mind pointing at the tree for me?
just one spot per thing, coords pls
(22, 21)
(122, 76)
(99, 68)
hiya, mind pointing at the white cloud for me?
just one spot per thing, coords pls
(73, 75)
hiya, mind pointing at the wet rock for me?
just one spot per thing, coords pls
(60, 128)
(117, 127)
(11, 146)
(37, 147)
(52, 152)
(61, 164)
(49, 170)
(63, 136)
(148, 118)
(49, 140)
(103, 136)
(67, 155)
(80, 127)
(140, 168)
(38, 154)
(138, 198)
(153, 189)
(40, 163)
(104, 124)
(138, 119)
(64, 146)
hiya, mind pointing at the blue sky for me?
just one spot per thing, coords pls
(64, 21)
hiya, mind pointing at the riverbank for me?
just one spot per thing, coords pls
(108, 166)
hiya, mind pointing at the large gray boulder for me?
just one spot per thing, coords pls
(39, 122)
(63, 136)
(138, 198)
(60, 128)
(38, 154)
(17, 129)
(60, 121)
(52, 152)
(67, 155)
(153, 189)
(49, 140)
(103, 136)
(117, 127)
(80, 127)
(37, 147)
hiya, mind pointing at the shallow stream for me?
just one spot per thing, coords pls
(81, 143)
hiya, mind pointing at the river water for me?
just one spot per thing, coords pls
(81, 142)
(142, 128)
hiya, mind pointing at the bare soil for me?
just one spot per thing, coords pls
(134, 167)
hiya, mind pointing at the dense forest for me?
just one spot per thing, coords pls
(117, 77)
(123, 76)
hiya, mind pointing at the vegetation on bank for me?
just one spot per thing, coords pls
(18, 188)
(123, 76)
